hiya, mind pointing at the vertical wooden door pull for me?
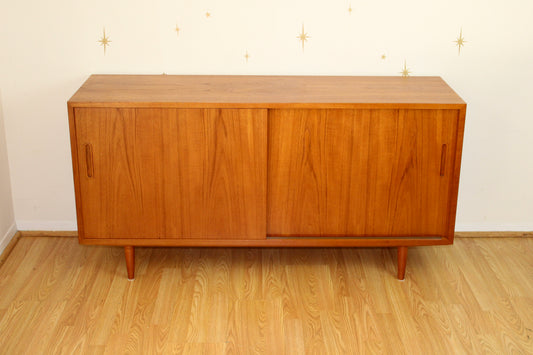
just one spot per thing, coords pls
(89, 160)
(443, 160)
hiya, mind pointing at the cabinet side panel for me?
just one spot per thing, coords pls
(75, 168)
(358, 172)
(454, 190)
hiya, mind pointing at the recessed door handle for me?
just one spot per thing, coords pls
(443, 160)
(89, 160)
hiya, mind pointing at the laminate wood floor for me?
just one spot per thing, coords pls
(473, 297)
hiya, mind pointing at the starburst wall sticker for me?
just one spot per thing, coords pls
(405, 71)
(303, 36)
(104, 41)
(460, 41)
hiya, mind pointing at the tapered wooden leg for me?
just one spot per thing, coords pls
(402, 261)
(129, 252)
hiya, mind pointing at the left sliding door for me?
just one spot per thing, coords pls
(172, 173)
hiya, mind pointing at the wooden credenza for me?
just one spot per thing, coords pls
(266, 161)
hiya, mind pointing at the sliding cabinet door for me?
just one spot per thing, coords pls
(360, 172)
(172, 173)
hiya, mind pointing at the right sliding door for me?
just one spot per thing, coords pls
(362, 172)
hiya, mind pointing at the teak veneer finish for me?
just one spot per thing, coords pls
(266, 161)
(168, 173)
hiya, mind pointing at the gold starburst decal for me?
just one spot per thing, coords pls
(303, 37)
(350, 9)
(383, 57)
(405, 71)
(247, 56)
(177, 29)
(207, 14)
(104, 41)
(460, 41)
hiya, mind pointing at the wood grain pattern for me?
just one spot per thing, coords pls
(216, 91)
(167, 173)
(60, 297)
(359, 172)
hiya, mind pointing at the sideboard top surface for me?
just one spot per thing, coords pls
(190, 91)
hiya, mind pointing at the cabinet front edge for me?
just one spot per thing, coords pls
(230, 105)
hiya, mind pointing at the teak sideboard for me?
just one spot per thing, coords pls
(266, 161)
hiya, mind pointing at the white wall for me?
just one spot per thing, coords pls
(50, 47)
(7, 217)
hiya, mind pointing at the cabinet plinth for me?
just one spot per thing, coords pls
(257, 161)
